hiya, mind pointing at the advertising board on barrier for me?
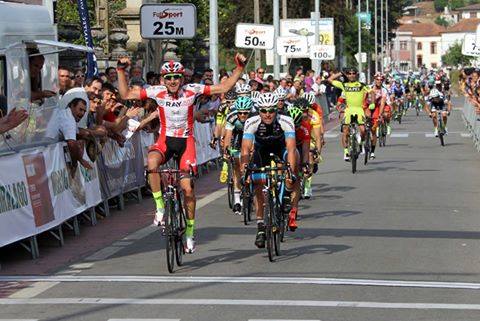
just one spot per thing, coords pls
(121, 169)
(38, 191)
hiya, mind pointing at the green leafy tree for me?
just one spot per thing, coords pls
(441, 21)
(454, 56)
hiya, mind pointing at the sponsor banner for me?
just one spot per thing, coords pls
(168, 21)
(82, 6)
(121, 168)
(39, 190)
(203, 135)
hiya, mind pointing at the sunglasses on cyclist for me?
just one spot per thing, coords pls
(268, 110)
(172, 77)
(243, 112)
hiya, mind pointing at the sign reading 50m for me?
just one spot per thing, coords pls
(254, 36)
(168, 21)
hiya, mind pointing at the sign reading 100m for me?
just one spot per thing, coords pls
(168, 21)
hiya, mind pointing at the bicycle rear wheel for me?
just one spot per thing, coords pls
(367, 147)
(230, 186)
(246, 207)
(170, 234)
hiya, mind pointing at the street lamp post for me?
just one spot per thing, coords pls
(359, 39)
(214, 39)
(276, 25)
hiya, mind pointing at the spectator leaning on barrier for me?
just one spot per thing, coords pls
(13, 119)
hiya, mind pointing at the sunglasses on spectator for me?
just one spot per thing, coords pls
(261, 72)
(243, 112)
(351, 73)
(79, 76)
(268, 110)
(172, 77)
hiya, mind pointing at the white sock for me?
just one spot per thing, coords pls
(236, 197)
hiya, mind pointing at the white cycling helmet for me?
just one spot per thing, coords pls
(255, 95)
(281, 93)
(243, 89)
(310, 97)
(434, 93)
(267, 100)
(172, 67)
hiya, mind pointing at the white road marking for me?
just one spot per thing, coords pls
(143, 319)
(466, 135)
(18, 319)
(244, 280)
(429, 135)
(81, 266)
(33, 290)
(279, 320)
(331, 135)
(218, 302)
(399, 135)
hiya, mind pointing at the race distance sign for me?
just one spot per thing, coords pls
(322, 52)
(168, 21)
(254, 36)
(296, 46)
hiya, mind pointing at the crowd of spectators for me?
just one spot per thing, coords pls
(469, 84)
(91, 110)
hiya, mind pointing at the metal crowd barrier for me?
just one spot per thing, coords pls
(207, 159)
(472, 122)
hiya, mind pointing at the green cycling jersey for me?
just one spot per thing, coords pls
(354, 92)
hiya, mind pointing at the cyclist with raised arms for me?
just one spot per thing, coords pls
(268, 132)
(355, 93)
(176, 113)
(233, 142)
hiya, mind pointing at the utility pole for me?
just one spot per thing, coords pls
(369, 54)
(376, 36)
(381, 37)
(276, 25)
(359, 39)
(256, 19)
(284, 16)
(386, 31)
(317, 63)
(214, 39)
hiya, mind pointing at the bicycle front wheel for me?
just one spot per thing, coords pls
(179, 248)
(367, 148)
(170, 234)
(268, 216)
(246, 207)
(353, 153)
(230, 186)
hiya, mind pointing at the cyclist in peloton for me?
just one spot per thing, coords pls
(304, 163)
(176, 113)
(397, 90)
(438, 104)
(268, 132)
(355, 93)
(234, 125)
(377, 108)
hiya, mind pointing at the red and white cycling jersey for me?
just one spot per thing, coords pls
(176, 112)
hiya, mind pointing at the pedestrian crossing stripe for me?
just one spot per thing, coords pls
(407, 135)
(137, 319)
(330, 135)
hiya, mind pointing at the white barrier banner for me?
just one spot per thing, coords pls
(42, 193)
(203, 135)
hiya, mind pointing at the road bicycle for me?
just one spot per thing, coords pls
(382, 132)
(354, 140)
(368, 140)
(441, 128)
(273, 192)
(247, 202)
(175, 219)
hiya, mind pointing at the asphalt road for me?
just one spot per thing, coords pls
(399, 240)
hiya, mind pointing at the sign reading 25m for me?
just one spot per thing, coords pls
(168, 21)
